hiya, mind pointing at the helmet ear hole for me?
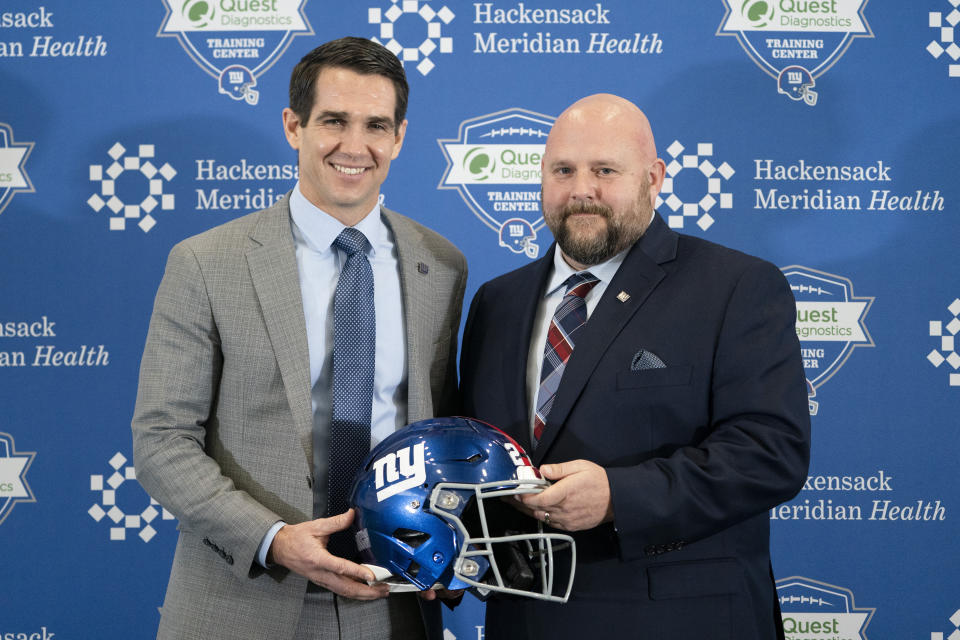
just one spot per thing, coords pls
(411, 537)
(413, 569)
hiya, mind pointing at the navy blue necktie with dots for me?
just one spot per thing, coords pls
(354, 346)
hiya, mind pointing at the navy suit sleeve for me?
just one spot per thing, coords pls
(756, 451)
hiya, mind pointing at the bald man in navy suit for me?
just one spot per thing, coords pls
(677, 421)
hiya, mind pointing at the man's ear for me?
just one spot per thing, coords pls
(658, 171)
(400, 134)
(291, 127)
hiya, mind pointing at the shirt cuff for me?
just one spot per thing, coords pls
(267, 541)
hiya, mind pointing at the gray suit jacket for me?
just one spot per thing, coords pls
(222, 425)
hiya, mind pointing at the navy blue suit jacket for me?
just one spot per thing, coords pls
(696, 452)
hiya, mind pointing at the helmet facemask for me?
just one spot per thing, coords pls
(497, 558)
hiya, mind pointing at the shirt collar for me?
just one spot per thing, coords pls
(319, 229)
(604, 271)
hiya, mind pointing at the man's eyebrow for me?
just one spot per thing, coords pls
(381, 120)
(606, 162)
(343, 115)
(323, 115)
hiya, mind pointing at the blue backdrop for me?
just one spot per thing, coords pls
(822, 136)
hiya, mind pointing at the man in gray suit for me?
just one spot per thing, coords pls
(234, 406)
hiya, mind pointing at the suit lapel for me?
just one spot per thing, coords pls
(271, 258)
(515, 353)
(416, 291)
(638, 276)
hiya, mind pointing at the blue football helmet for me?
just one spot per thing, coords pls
(797, 84)
(518, 235)
(238, 82)
(426, 502)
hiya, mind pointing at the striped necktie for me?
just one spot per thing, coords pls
(570, 316)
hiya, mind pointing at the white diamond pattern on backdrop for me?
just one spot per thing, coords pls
(417, 52)
(697, 206)
(139, 522)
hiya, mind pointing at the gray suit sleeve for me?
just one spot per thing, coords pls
(176, 399)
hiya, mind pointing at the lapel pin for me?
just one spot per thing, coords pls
(422, 267)
(623, 296)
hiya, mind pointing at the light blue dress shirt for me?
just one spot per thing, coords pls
(318, 266)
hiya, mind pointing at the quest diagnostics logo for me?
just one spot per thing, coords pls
(494, 163)
(814, 610)
(795, 41)
(417, 26)
(758, 13)
(13, 475)
(199, 13)
(235, 41)
(830, 323)
(13, 176)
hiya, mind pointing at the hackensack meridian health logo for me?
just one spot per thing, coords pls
(494, 164)
(141, 188)
(140, 521)
(815, 610)
(830, 323)
(235, 41)
(955, 621)
(417, 26)
(795, 41)
(946, 351)
(13, 475)
(13, 155)
(695, 209)
(946, 41)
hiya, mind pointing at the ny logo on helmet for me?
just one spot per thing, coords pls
(404, 462)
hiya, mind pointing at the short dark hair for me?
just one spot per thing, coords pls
(356, 54)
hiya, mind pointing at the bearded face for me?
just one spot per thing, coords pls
(592, 232)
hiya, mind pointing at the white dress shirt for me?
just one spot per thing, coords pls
(551, 299)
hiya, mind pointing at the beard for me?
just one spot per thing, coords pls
(586, 242)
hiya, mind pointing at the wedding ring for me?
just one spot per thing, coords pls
(546, 518)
